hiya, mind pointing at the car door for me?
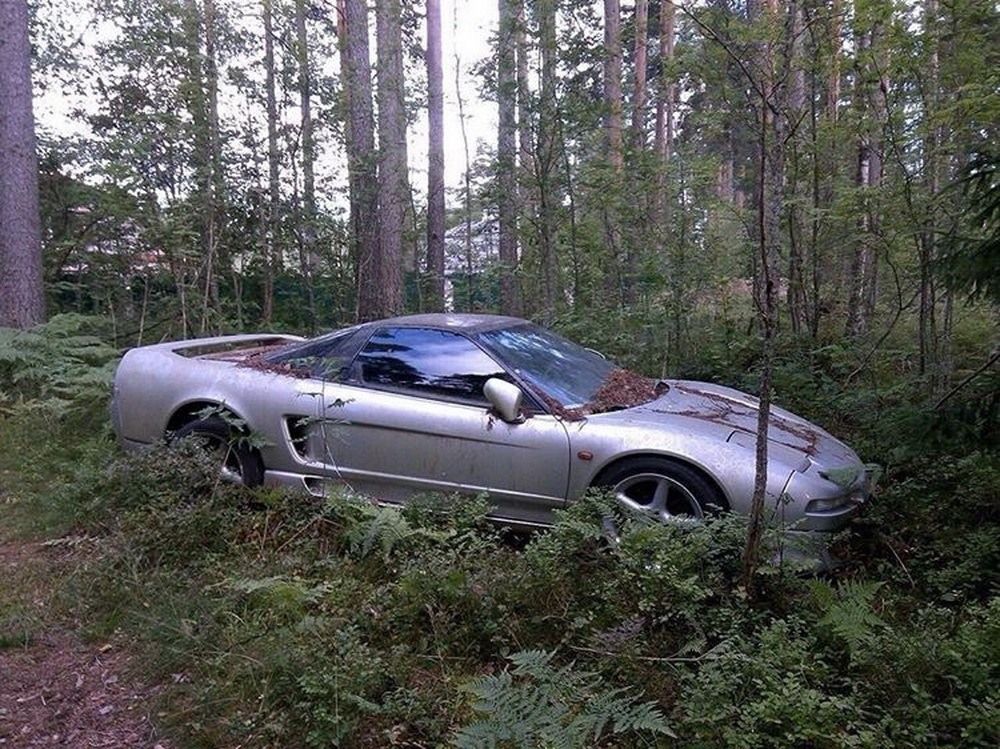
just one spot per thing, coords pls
(411, 417)
(290, 404)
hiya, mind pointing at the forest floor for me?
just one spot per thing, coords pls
(56, 688)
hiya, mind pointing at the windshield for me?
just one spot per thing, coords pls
(560, 369)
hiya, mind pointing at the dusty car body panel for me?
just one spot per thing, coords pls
(154, 382)
(714, 428)
(390, 445)
(320, 429)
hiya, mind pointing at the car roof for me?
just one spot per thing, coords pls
(451, 321)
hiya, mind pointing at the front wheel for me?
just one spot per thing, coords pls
(663, 489)
(238, 462)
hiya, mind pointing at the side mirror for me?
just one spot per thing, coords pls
(505, 398)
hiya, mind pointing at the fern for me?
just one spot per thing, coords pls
(284, 595)
(535, 704)
(55, 368)
(384, 529)
(848, 612)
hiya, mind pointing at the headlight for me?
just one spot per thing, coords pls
(833, 504)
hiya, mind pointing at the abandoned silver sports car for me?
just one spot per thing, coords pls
(478, 403)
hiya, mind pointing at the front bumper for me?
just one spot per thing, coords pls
(828, 506)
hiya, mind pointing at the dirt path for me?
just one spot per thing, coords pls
(56, 690)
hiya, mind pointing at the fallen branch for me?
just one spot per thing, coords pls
(651, 658)
(989, 363)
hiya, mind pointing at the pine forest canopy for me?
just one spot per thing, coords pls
(214, 165)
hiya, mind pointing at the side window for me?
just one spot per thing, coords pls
(325, 358)
(435, 363)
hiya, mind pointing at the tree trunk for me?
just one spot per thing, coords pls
(214, 267)
(872, 86)
(201, 159)
(639, 90)
(470, 285)
(664, 136)
(833, 77)
(547, 161)
(771, 139)
(526, 149)
(307, 230)
(797, 299)
(435, 159)
(273, 194)
(613, 84)
(828, 156)
(927, 325)
(510, 302)
(393, 185)
(616, 277)
(22, 294)
(361, 164)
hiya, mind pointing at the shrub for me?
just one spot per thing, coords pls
(56, 368)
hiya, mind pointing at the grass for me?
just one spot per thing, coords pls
(23, 598)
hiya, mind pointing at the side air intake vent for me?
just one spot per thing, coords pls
(298, 431)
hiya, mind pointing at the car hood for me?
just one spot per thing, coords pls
(735, 415)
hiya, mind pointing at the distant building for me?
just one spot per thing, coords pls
(465, 260)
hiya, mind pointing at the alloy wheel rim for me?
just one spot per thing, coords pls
(230, 470)
(658, 496)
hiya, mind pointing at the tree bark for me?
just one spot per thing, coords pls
(547, 160)
(795, 111)
(393, 185)
(307, 230)
(470, 284)
(613, 84)
(435, 159)
(214, 267)
(273, 188)
(510, 298)
(871, 87)
(639, 90)
(22, 294)
(666, 92)
(526, 149)
(833, 77)
(927, 323)
(361, 160)
(618, 273)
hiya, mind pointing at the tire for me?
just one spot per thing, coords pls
(664, 489)
(242, 463)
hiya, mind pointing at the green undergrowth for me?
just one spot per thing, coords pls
(280, 620)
